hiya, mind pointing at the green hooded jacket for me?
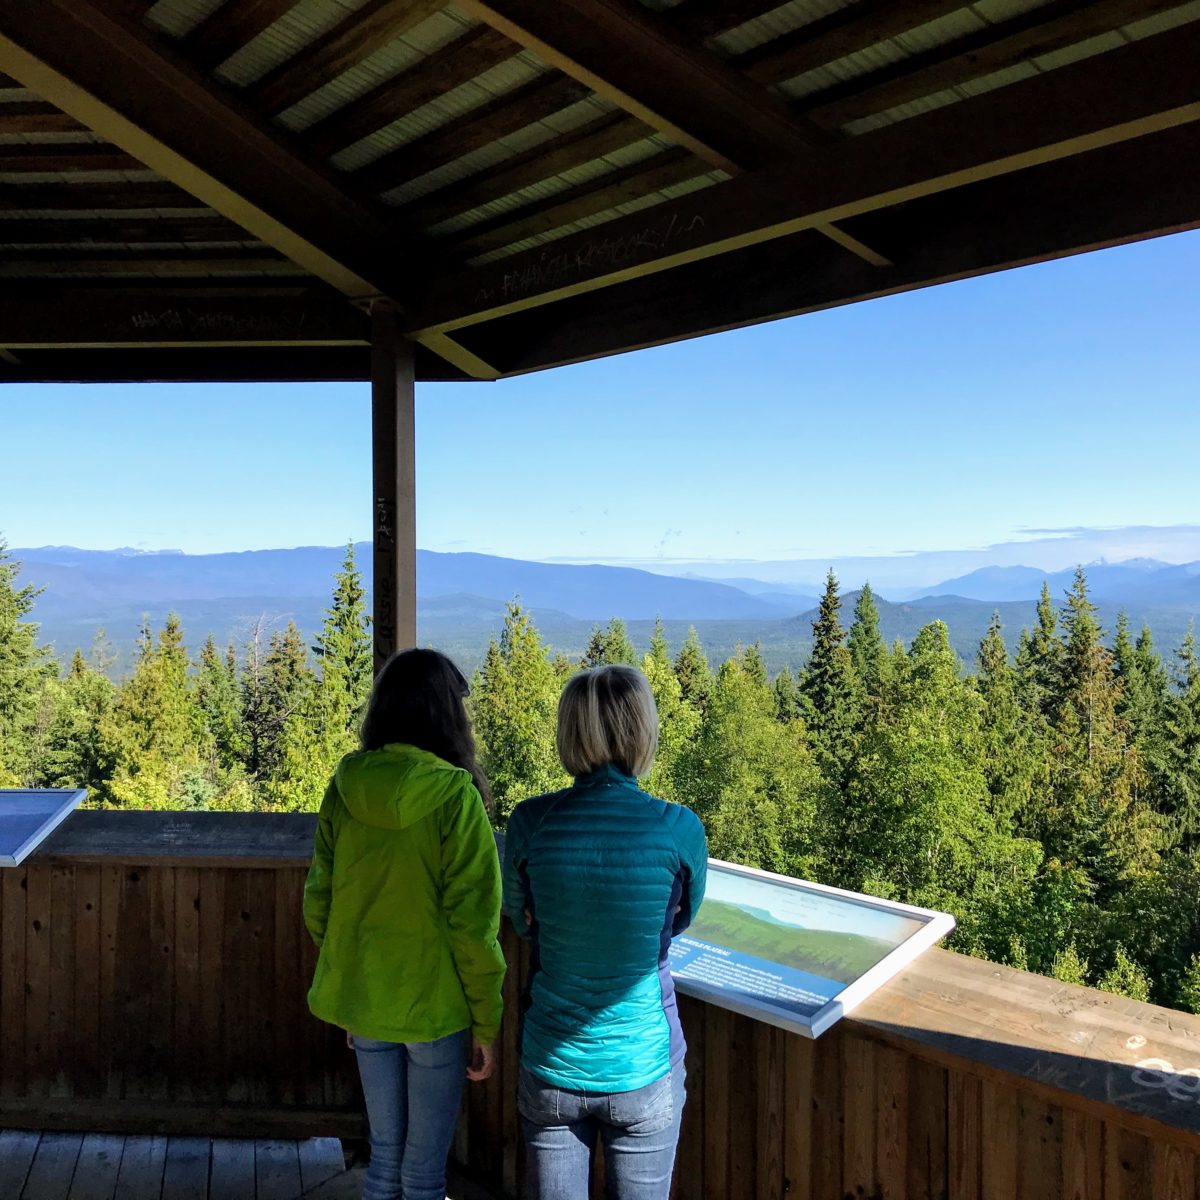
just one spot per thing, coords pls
(403, 901)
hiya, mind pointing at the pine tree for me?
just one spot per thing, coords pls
(1180, 801)
(1125, 977)
(344, 651)
(787, 697)
(1039, 659)
(694, 674)
(75, 753)
(514, 702)
(678, 720)
(868, 651)
(609, 646)
(218, 703)
(24, 670)
(829, 688)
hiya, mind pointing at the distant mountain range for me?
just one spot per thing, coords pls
(461, 598)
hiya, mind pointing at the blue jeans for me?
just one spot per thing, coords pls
(639, 1131)
(413, 1093)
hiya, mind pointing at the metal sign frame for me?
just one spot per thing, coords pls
(69, 801)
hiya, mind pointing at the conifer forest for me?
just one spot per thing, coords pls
(1047, 793)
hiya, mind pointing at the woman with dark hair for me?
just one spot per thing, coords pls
(403, 901)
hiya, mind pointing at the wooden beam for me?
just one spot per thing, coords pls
(33, 116)
(480, 126)
(111, 263)
(65, 232)
(35, 158)
(1043, 30)
(1106, 197)
(642, 64)
(106, 74)
(706, 18)
(229, 27)
(474, 52)
(394, 486)
(96, 197)
(1127, 93)
(358, 36)
(79, 318)
(837, 34)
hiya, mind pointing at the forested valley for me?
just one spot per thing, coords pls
(1048, 794)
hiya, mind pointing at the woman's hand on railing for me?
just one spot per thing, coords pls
(482, 1061)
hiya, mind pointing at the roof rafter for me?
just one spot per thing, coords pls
(1138, 90)
(230, 27)
(643, 65)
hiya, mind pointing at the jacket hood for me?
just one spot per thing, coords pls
(397, 785)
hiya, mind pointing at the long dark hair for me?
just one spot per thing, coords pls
(418, 699)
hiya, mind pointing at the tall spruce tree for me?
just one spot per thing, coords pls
(678, 719)
(868, 650)
(694, 674)
(829, 687)
(609, 646)
(1039, 659)
(24, 671)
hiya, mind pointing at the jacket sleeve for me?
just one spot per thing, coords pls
(471, 901)
(318, 887)
(516, 891)
(693, 853)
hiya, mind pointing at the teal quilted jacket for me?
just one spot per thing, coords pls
(600, 870)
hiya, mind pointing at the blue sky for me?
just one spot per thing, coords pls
(1060, 397)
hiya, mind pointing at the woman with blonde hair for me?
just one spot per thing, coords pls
(600, 877)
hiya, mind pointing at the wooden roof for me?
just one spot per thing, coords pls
(219, 189)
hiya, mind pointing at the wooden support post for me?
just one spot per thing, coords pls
(394, 485)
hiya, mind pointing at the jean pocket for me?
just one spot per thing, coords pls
(537, 1101)
(649, 1109)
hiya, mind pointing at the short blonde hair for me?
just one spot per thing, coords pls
(607, 715)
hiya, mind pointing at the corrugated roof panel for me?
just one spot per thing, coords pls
(179, 17)
(499, 151)
(1081, 50)
(901, 112)
(503, 78)
(1163, 21)
(940, 32)
(426, 39)
(99, 214)
(547, 189)
(645, 202)
(852, 66)
(80, 177)
(997, 79)
(995, 11)
(16, 95)
(784, 19)
(301, 25)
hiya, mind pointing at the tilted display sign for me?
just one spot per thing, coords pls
(794, 954)
(29, 816)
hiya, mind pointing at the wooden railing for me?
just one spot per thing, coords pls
(153, 971)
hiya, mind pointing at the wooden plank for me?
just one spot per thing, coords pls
(928, 1147)
(997, 47)
(38, 1030)
(1133, 92)
(291, 1015)
(768, 1154)
(68, 233)
(111, 77)
(77, 196)
(704, 18)
(891, 1123)
(13, 882)
(393, 478)
(475, 51)
(98, 1167)
(1128, 1165)
(688, 1180)
(17, 1152)
(1173, 1173)
(86, 1071)
(134, 1006)
(232, 1175)
(62, 1051)
(110, 1062)
(276, 1170)
(28, 158)
(34, 117)
(160, 981)
(641, 63)
(185, 1175)
(230, 26)
(202, 838)
(718, 1066)
(321, 1159)
(53, 1167)
(799, 1103)
(187, 983)
(1082, 1156)
(1002, 1143)
(966, 1136)
(259, 993)
(357, 36)
(238, 959)
(1039, 1127)
(480, 126)
(142, 1165)
(858, 1151)
(829, 1115)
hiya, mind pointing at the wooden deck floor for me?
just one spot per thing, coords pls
(73, 1166)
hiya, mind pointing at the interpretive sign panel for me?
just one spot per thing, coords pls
(794, 954)
(27, 818)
